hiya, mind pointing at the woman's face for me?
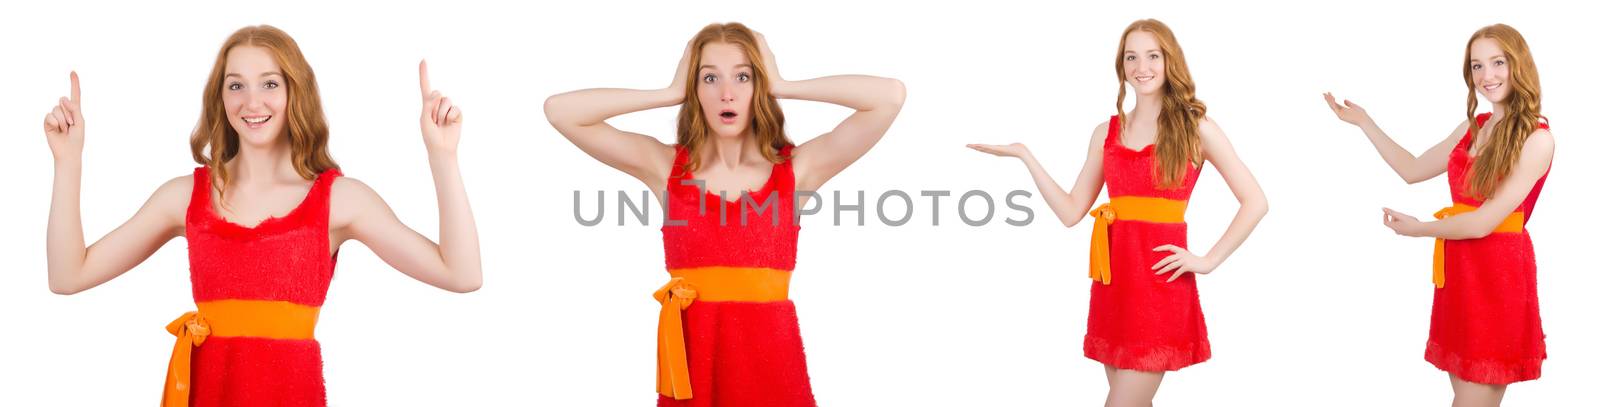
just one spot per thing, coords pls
(727, 83)
(254, 94)
(1143, 64)
(1491, 72)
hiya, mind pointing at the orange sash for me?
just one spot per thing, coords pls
(228, 318)
(1134, 208)
(1512, 224)
(709, 284)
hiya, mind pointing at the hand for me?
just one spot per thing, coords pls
(680, 77)
(1403, 224)
(1182, 261)
(1008, 150)
(769, 64)
(1349, 112)
(441, 120)
(63, 126)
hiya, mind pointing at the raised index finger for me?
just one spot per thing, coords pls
(422, 72)
(75, 91)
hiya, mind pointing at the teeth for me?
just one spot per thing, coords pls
(257, 120)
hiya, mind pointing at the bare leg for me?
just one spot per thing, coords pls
(1132, 388)
(1469, 394)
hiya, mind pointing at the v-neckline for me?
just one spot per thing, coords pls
(211, 207)
(766, 187)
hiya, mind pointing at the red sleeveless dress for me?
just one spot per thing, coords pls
(1140, 321)
(739, 353)
(281, 259)
(1485, 325)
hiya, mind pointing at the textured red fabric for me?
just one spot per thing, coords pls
(1140, 321)
(1485, 326)
(282, 259)
(740, 353)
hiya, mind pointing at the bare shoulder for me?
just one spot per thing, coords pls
(351, 193)
(1541, 143)
(1210, 130)
(349, 198)
(173, 196)
(1101, 131)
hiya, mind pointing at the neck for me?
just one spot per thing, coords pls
(262, 164)
(1146, 108)
(731, 152)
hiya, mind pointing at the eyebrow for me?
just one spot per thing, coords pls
(1493, 56)
(1129, 51)
(735, 66)
(231, 74)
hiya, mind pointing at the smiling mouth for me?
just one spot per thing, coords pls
(255, 121)
(1143, 78)
(1492, 87)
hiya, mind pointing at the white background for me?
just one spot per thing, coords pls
(1322, 306)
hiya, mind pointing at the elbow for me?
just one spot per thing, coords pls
(897, 93)
(64, 289)
(1260, 208)
(1481, 231)
(1411, 179)
(550, 107)
(467, 284)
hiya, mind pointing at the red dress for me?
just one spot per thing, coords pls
(1485, 324)
(739, 353)
(1139, 321)
(281, 259)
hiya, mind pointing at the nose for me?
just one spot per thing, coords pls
(727, 93)
(254, 99)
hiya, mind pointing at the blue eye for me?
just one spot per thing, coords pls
(271, 85)
(235, 86)
(709, 79)
(744, 77)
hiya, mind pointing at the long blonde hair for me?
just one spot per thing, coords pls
(766, 125)
(1521, 118)
(1178, 127)
(215, 142)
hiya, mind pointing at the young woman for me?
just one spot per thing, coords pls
(1147, 319)
(728, 333)
(1485, 330)
(264, 215)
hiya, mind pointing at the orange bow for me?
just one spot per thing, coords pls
(191, 331)
(1100, 243)
(1512, 224)
(672, 361)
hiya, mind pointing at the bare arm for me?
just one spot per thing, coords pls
(1071, 207)
(1411, 168)
(581, 116)
(358, 213)
(1534, 162)
(1252, 207)
(877, 103)
(72, 266)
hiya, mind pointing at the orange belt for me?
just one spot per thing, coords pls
(229, 318)
(1512, 224)
(1135, 208)
(746, 284)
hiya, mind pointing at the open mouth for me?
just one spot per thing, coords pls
(255, 122)
(728, 115)
(1491, 88)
